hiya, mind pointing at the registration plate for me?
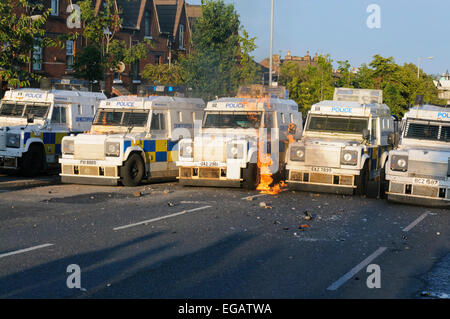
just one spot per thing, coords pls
(209, 164)
(425, 181)
(88, 162)
(321, 169)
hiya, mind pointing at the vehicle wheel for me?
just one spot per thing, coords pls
(249, 175)
(363, 181)
(132, 171)
(33, 161)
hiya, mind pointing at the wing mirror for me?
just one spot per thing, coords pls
(393, 139)
(366, 134)
(30, 118)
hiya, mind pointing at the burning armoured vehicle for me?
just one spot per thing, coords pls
(236, 136)
(33, 122)
(344, 145)
(418, 170)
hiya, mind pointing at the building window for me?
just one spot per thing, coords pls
(69, 54)
(147, 24)
(157, 59)
(37, 57)
(55, 8)
(181, 36)
(136, 71)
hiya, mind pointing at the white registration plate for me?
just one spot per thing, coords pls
(209, 164)
(321, 169)
(425, 181)
(88, 162)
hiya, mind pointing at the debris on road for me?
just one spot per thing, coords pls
(170, 204)
(438, 295)
(308, 215)
(264, 205)
(137, 194)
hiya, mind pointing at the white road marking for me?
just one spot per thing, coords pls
(414, 223)
(24, 250)
(354, 271)
(254, 196)
(161, 218)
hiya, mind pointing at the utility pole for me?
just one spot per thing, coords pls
(418, 65)
(271, 43)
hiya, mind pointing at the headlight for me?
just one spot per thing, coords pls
(298, 153)
(186, 150)
(349, 157)
(112, 149)
(235, 151)
(13, 140)
(399, 163)
(68, 147)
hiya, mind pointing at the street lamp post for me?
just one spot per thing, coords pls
(271, 43)
(418, 65)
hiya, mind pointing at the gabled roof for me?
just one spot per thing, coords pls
(169, 14)
(132, 12)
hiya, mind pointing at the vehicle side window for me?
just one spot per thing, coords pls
(374, 129)
(158, 122)
(268, 119)
(59, 115)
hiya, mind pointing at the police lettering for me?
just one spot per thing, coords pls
(342, 109)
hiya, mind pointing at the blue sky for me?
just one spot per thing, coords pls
(409, 29)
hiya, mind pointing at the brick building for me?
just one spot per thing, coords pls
(167, 23)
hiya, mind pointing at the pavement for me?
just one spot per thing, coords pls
(169, 241)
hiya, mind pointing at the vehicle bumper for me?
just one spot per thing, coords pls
(418, 200)
(86, 180)
(89, 174)
(210, 182)
(336, 182)
(405, 190)
(320, 188)
(217, 176)
(9, 162)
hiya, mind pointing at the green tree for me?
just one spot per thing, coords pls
(220, 60)
(163, 74)
(21, 30)
(100, 30)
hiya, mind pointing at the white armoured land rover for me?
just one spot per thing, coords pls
(344, 144)
(33, 123)
(418, 170)
(225, 152)
(132, 138)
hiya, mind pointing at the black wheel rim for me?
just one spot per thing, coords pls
(134, 171)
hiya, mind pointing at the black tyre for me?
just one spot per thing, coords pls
(363, 181)
(250, 176)
(132, 171)
(33, 161)
(384, 185)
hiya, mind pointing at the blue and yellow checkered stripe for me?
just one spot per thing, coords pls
(156, 151)
(52, 141)
(375, 156)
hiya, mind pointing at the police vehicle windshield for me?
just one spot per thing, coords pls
(337, 124)
(121, 117)
(434, 131)
(13, 109)
(232, 120)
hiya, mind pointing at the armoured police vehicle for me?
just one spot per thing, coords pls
(34, 121)
(418, 170)
(225, 151)
(133, 138)
(344, 146)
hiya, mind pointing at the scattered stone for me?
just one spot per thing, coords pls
(262, 205)
(137, 194)
(308, 215)
(166, 191)
(438, 233)
(404, 237)
(285, 228)
(303, 227)
(276, 222)
(170, 204)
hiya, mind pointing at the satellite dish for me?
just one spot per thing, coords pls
(120, 68)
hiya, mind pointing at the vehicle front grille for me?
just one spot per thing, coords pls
(427, 169)
(89, 151)
(322, 157)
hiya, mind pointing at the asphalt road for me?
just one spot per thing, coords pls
(181, 242)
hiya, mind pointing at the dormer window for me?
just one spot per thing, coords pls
(147, 25)
(181, 36)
